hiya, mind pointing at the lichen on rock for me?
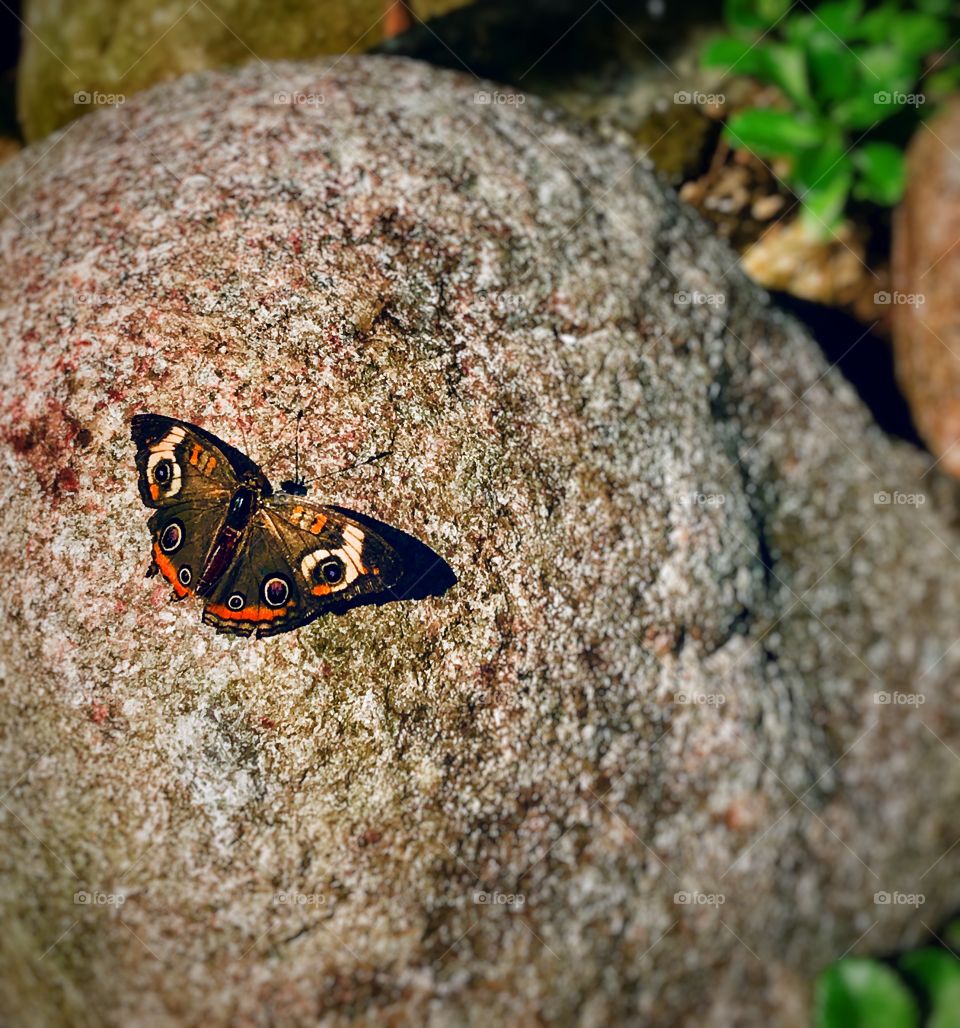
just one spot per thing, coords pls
(631, 766)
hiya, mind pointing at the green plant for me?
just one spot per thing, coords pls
(861, 993)
(848, 79)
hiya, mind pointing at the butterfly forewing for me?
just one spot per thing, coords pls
(296, 563)
(176, 461)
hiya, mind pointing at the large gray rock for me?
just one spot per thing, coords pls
(646, 502)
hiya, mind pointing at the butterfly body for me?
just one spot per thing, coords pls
(263, 564)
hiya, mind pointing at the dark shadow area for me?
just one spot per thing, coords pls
(507, 41)
(865, 359)
(425, 572)
(10, 29)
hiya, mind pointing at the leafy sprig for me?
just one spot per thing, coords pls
(849, 81)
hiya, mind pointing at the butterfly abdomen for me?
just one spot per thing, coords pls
(242, 508)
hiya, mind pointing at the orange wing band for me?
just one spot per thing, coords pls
(168, 571)
(245, 613)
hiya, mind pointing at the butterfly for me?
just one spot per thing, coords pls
(262, 563)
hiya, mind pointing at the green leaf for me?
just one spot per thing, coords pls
(840, 17)
(918, 34)
(798, 28)
(785, 66)
(772, 133)
(813, 168)
(938, 7)
(887, 68)
(938, 973)
(881, 173)
(862, 112)
(940, 83)
(858, 993)
(748, 15)
(823, 203)
(881, 92)
(734, 55)
(834, 71)
(875, 25)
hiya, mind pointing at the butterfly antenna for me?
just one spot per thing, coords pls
(246, 443)
(296, 486)
(379, 455)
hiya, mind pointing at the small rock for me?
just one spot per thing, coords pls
(787, 257)
(766, 207)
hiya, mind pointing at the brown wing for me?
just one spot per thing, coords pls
(178, 462)
(296, 563)
(182, 536)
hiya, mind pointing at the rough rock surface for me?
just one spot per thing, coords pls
(926, 268)
(81, 55)
(656, 678)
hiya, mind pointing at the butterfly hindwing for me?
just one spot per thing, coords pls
(259, 592)
(182, 536)
(296, 563)
(178, 462)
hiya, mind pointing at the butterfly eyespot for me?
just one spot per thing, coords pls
(184, 575)
(236, 601)
(275, 591)
(329, 572)
(171, 538)
(163, 472)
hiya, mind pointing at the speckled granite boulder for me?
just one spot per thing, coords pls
(636, 764)
(78, 56)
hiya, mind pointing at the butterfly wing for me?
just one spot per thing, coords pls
(179, 462)
(183, 534)
(296, 563)
(187, 476)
